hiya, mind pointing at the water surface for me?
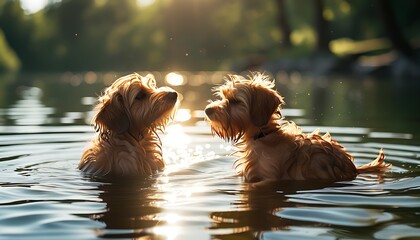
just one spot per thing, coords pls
(44, 128)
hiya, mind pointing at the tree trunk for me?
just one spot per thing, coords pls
(321, 27)
(283, 23)
(391, 28)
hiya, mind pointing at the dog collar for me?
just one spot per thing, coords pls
(262, 134)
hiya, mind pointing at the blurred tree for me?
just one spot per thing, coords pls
(8, 59)
(321, 27)
(351, 19)
(138, 42)
(245, 30)
(79, 48)
(17, 31)
(392, 30)
(283, 23)
(193, 35)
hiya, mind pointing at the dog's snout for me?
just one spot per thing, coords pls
(209, 111)
(171, 96)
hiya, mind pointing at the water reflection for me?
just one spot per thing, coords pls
(168, 232)
(131, 210)
(199, 196)
(29, 110)
(175, 137)
(257, 209)
(282, 210)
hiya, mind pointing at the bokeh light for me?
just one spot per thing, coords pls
(174, 79)
(183, 115)
(145, 3)
(175, 136)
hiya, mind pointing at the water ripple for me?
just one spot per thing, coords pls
(354, 217)
(355, 200)
(44, 196)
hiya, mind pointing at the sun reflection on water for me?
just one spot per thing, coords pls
(180, 151)
(177, 198)
(175, 136)
(182, 115)
(175, 79)
(176, 150)
(177, 203)
(171, 218)
(169, 232)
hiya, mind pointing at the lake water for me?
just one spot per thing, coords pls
(44, 128)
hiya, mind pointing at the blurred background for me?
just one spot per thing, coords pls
(322, 36)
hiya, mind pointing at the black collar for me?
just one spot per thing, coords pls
(262, 134)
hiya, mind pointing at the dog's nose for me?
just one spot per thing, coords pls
(171, 96)
(209, 111)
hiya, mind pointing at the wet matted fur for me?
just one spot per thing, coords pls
(127, 118)
(248, 114)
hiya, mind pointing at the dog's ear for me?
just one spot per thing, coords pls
(263, 105)
(112, 116)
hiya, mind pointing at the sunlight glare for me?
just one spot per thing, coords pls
(168, 232)
(31, 6)
(171, 218)
(145, 3)
(175, 79)
(176, 136)
(182, 115)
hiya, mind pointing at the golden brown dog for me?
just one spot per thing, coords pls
(248, 114)
(128, 116)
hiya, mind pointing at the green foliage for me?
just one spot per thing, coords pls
(177, 34)
(8, 59)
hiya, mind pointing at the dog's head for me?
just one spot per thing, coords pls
(132, 104)
(246, 106)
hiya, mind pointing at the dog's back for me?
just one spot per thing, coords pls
(281, 156)
(122, 157)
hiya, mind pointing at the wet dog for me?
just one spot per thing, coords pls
(248, 114)
(128, 117)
